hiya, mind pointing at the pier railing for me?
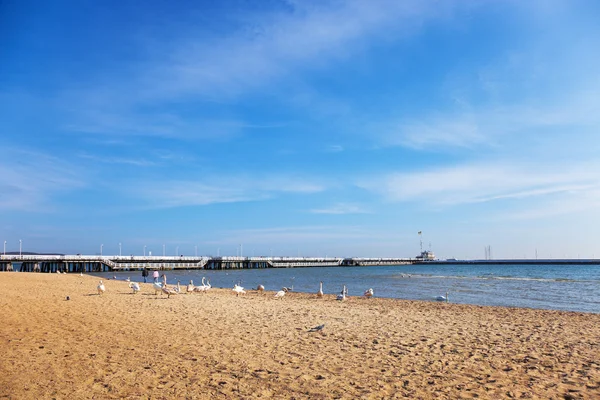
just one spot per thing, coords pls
(96, 263)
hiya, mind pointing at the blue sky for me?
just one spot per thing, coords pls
(312, 128)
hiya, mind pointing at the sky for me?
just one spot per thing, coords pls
(301, 128)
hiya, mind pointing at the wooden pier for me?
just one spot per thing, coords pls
(84, 264)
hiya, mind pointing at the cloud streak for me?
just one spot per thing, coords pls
(484, 183)
(29, 180)
(215, 190)
(341, 209)
(310, 36)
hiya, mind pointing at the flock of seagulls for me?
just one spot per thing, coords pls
(162, 287)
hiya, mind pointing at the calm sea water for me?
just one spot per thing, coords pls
(558, 287)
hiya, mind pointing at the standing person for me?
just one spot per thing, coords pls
(145, 273)
(155, 275)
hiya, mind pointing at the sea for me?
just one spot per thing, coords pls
(553, 287)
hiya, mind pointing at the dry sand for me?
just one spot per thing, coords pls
(217, 345)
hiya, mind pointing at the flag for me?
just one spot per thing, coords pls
(419, 232)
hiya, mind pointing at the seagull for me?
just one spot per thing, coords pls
(168, 291)
(342, 296)
(101, 288)
(320, 292)
(368, 293)
(201, 288)
(177, 288)
(317, 328)
(281, 293)
(238, 290)
(134, 286)
(260, 288)
(289, 289)
(442, 298)
(157, 286)
(190, 287)
(128, 279)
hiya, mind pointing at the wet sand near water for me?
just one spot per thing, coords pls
(216, 345)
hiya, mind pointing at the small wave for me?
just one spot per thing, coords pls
(491, 277)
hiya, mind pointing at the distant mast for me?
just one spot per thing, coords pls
(424, 255)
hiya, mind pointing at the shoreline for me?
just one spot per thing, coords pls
(217, 345)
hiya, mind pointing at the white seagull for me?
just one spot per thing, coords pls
(177, 288)
(157, 286)
(134, 286)
(442, 298)
(260, 288)
(201, 288)
(101, 288)
(238, 290)
(281, 293)
(168, 291)
(342, 296)
(289, 289)
(320, 292)
(190, 287)
(368, 293)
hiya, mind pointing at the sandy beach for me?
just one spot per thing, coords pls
(217, 345)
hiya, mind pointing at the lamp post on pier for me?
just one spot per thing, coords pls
(101, 246)
(119, 249)
(163, 250)
(5, 247)
(144, 250)
(20, 247)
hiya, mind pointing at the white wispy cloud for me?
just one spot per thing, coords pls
(138, 162)
(221, 190)
(481, 183)
(293, 234)
(309, 37)
(545, 82)
(335, 148)
(266, 49)
(495, 126)
(29, 180)
(341, 208)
